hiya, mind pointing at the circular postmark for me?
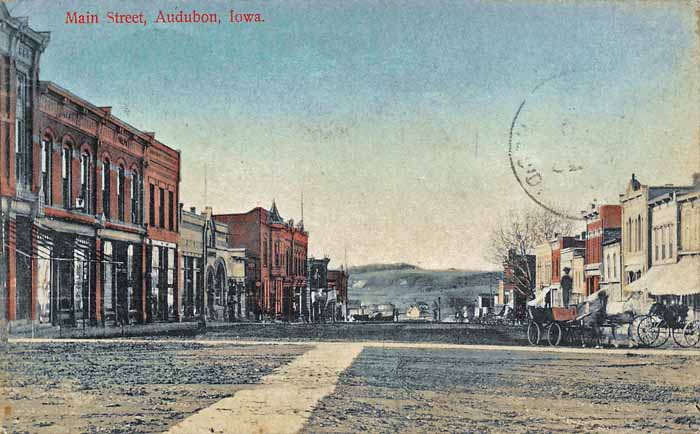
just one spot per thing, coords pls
(550, 169)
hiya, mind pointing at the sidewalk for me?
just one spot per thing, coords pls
(155, 329)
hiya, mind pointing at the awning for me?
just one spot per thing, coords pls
(680, 278)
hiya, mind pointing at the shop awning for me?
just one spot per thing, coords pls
(680, 278)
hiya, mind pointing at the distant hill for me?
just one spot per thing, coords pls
(404, 284)
(381, 267)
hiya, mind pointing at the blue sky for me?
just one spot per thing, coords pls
(372, 108)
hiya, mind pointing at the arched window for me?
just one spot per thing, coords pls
(136, 192)
(120, 192)
(46, 152)
(106, 188)
(639, 233)
(23, 137)
(66, 176)
(85, 182)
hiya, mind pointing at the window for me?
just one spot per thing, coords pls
(106, 189)
(171, 209)
(121, 176)
(663, 243)
(615, 265)
(670, 241)
(66, 176)
(152, 205)
(46, 152)
(265, 252)
(607, 271)
(656, 244)
(135, 192)
(161, 208)
(277, 253)
(639, 233)
(23, 148)
(85, 182)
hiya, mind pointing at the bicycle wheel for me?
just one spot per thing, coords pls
(647, 331)
(533, 333)
(691, 332)
(554, 334)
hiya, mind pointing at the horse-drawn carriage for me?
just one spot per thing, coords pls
(664, 321)
(584, 324)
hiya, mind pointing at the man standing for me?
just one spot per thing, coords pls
(566, 284)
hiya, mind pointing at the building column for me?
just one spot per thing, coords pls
(97, 314)
(35, 253)
(4, 286)
(145, 274)
(11, 270)
(177, 294)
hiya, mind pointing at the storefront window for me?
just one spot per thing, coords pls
(107, 281)
(171, 282)
(155, 279)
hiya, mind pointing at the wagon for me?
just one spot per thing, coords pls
(581, 324)
(664, 321)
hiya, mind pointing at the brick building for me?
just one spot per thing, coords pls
(20, 51)
(602, 224)
(76, 245)
(161, 180)
(277, 260)
(558, 244)
(338, 286)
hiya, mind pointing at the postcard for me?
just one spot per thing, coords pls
(380, 216)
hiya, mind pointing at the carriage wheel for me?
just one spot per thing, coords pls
(534, 333)
(632, 333)
(691, 333)
(554, 334)
(647, 331)
(664, 332)
(678, 336)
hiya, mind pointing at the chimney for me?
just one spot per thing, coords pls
(696, 179)
(193, 209)
(208, 210)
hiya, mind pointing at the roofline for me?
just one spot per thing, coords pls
(104, 113)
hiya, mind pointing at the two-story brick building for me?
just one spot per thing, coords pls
(76, 240)
(603, 223)
(20, 52)
(276, 260)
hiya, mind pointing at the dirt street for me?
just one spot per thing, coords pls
(389, 390)
(224, 382)
(125, 387)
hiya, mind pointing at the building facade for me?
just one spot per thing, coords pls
(611, 269)
(568, 257)
(20, 52)
(214, 284)
(276, 260)
(636, 228)
(602, 223)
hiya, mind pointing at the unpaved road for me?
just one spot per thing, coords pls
(227, 385)
(428, 390)
(125, 386)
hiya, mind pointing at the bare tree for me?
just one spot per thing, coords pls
(514, 239)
